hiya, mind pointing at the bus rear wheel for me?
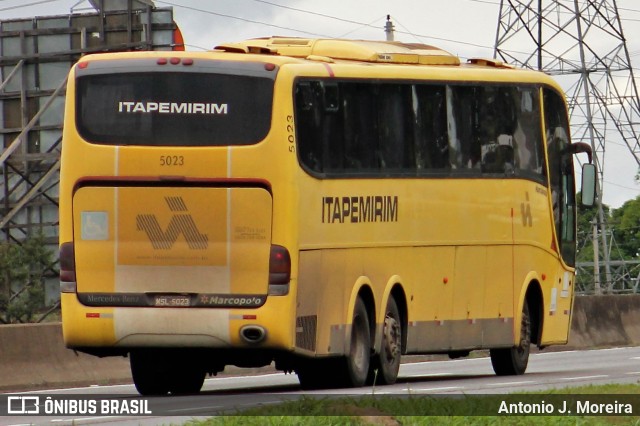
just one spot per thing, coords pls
(318, 374)
(513, 361)
(347, 371)
(385, 365)
(148, 374)
(161, 372)
(188, 380)
(357, 362)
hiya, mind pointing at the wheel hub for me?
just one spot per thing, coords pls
(391, 337)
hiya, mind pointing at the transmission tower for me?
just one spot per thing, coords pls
(582, 44)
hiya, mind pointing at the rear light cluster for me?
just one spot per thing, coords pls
(67, 268)
(279, 271)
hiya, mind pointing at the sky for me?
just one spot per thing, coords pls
(466, 28)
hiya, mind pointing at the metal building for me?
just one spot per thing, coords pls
(35, 57)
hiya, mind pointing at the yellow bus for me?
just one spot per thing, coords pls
(323, 205)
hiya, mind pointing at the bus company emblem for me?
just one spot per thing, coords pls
(525, 209)
(172, 108)
(181, 223)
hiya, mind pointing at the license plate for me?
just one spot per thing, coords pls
(171, 300)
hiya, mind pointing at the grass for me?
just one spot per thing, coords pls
(462, 410)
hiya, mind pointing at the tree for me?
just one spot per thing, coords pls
(623, 236)
(22, 272)
(626, 224)
(586, 217)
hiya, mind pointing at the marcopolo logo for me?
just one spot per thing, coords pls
(181, 223)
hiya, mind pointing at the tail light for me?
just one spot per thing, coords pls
(279, 271)
(67, 268)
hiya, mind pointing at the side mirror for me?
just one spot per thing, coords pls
(588, 189)
(580, 147)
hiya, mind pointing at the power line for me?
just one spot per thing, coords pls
(405, 28)
(364, 25)
(622, 186)
(406, 32)
(309, 12)
(493, 3)
(629, 10)
(222, 15)
(27, 5)
(360, 24)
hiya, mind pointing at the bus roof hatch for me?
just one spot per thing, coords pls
(353, 50)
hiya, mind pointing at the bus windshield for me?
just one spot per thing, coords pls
(173, 109)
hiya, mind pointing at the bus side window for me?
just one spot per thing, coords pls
(497, 122)
(529, 154)
(320, 124)
(391, 126)
(332, 128)
(431, 141)
(359, 129)
(463, 124)
(455, 151)
(331, 97)
(308, 121)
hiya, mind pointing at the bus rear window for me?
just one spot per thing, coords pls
(173, 109)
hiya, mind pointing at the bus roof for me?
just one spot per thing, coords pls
(345, 53)
(419, 61)
(341, 49)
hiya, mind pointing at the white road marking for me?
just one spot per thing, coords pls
(431, 389)
(524, 382)
(81, 419)
(197, 408)
(600, 376)
(426, 375)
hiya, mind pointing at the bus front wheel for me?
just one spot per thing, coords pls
(513, 361)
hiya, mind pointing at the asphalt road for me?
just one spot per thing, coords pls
(464, 376)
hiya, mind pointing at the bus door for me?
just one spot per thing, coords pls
(562, 186)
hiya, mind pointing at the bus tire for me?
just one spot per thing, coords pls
(357, 362)
(385, 365)
(347, 371)
(513, 361)
(318, 374)
(147, 374)
(187, 381)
